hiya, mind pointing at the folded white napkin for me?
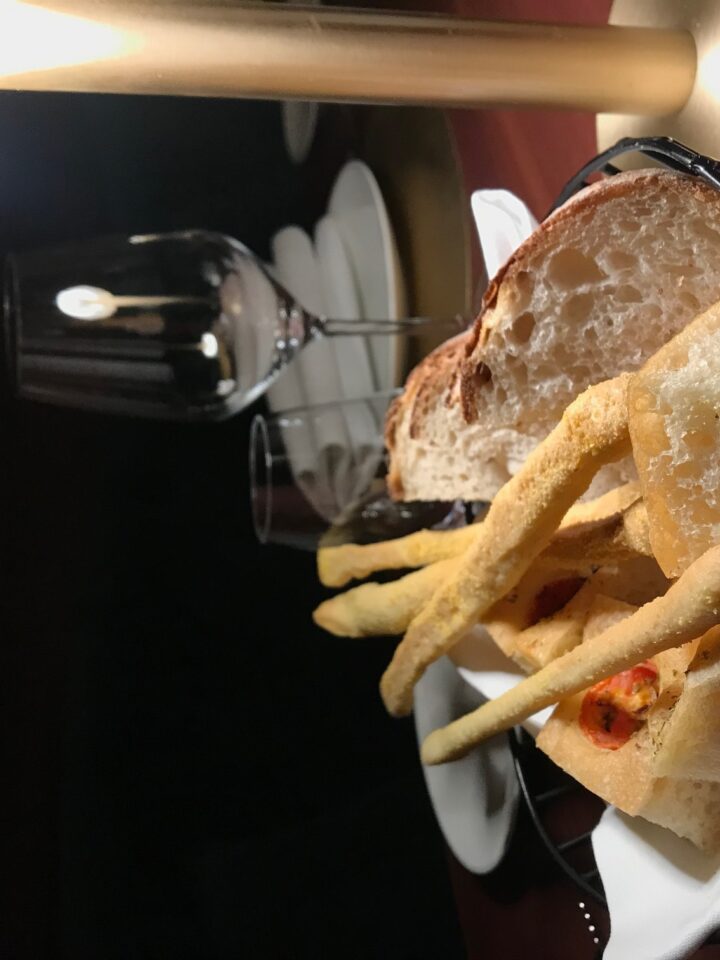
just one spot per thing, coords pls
(321, 460)
(486, 668)
(662, 892)
(503, 222)
(342, 302)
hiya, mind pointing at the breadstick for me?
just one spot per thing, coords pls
(351, 561)
(604, 507)
(382, 609)
(379, 610)
(521, 521)
(339, 565)
(612, 540)
(689, 608)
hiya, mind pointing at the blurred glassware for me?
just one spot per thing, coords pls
(300, 117)
(412, 153)
(344, 498)
(185, 326)
(299, 122)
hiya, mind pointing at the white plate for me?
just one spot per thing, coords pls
(486, 668)
(352, 353)
(475, 799)
(357, 207)
(342, 302)
(325, 458)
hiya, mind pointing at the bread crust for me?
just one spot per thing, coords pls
(456, 374)
(430, 382)
(540, 240)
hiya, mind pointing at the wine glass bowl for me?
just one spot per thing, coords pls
(187, 325)
(318, 477)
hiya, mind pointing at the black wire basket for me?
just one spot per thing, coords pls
(663, 150)
(563, 811)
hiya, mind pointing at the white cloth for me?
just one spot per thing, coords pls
(486, 668)
(503, 222)
(662, 892)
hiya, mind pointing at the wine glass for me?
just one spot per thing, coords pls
(308, 489)
(188, 325)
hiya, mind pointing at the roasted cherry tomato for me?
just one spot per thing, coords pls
(614, 709)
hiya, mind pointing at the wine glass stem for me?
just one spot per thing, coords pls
(407, 326)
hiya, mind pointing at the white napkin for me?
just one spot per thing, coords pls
(486, 668)
(342, 302)
(335, 446)
(662, 892)
(503, 222)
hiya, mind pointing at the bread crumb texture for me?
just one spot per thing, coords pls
(603, 283)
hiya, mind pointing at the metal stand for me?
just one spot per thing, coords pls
(273, 50)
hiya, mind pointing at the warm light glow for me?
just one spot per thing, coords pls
(709, 72)
(86, 303)
(209, 345)
(32, 38)
(93, 303)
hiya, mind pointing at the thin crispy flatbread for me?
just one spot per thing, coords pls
(551, 637)
(614, 539)
(674, 424)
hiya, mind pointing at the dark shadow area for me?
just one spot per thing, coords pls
(194, 770)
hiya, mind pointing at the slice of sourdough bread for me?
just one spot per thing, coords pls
(596, 290)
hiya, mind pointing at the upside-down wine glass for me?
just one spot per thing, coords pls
(187, 325)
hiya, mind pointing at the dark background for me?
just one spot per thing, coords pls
(192, 769)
